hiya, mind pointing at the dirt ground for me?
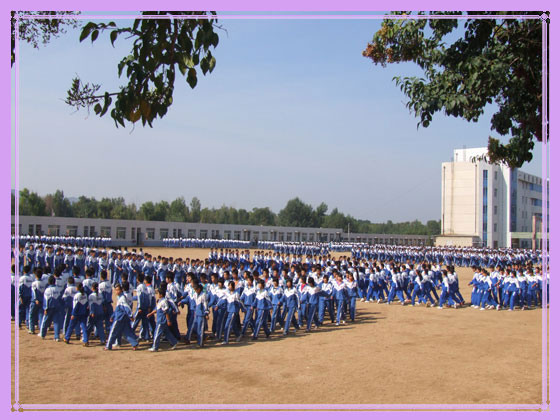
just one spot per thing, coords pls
(390, 355)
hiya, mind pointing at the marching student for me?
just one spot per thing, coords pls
(96, 314)
(51, 307)
(201, 313)
(262, 304)
(219, 303)
(79, 315)
(107, 292)
(121, 322)
(248, 300)
(340, 295)
(25, 283)
(313, 301)
(276, 297)
(352, 295)
(35, 307)
(89, 280)
(142, 308)
(325, 300)
(234, 304)
(163, 320)
(13, 295)
(303, 292)
(291, 302)
(68, 297)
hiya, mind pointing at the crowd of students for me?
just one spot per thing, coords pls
(88, 241)
(204, 243)
(73, 288)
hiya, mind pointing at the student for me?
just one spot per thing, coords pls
(107, 292)
(291, 302)
(276, 295)
(248, 300)
(325, 300)
(233, 306)
(219, 303)
(163, 321)
(96, 314)
(68, 298)
(351, 290)
(201, 313)
(121, 322)
(13, 295)
(189, 300)
(25, 283)
(51, 308)
(313, 302)
(339, 294)
(35, 307)
(79, 315)
(142, 308)
(262, 304)
(88, 281)
(303, 292)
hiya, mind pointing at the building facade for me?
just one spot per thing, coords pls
(490, 203)
(151, 233)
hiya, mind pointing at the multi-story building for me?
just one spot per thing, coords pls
(487, 204)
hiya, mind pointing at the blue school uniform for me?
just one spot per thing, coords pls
(233, 306)
(200, 314)
(164, 310)
(291, 302)
(312, 304)
(142, 309)
(35, 307)
(248, 299)
(52, 305)
(121, 325)
(325, 301)
(25, 283)
(79, 316)
(96, 315)
(340, 295)
(303, 291)
(106, 291)
(276, 297)
(263, 306)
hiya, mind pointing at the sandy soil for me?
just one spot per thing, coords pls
(390, 355)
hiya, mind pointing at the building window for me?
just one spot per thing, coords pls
(31, 229)
(281, 236)
(163, 233)
(191, 233)
(495, 210)
(304, 237)
(264, 236)
(495, 227)
(495, 192)
(121, 233)
(53, 230)
(174, 233)
(150, 233)
(179, 233)
(72, 230)
(495, 175)
(203, 234)
(485, 207)
(288, 237)
(133, 233)
(311, 237)
(105, 231)
(237, 235)
(536, 202)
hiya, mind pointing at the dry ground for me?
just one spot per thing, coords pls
(391, 355)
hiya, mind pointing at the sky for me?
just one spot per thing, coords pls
(292, 108)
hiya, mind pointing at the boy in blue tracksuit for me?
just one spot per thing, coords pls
(303, 291)
(121, 321)
(188, 299)
(96, 314)
(219, 302)
(340, 295)
(248, 299)
(263, 306)
(233, 306)
(291, 302)
(80, 309)
(163, 320)
(201, 313)
(325, 300)
(25, 283)
(142, 308)
(312, 304)
(351, 295)
(107, 292)
(68, 298)
(276, 295)
(51, 309)
(35, 307)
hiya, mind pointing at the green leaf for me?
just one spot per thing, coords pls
(97, 108)
(212, 64)
(94, 35)
(204, 65)
(191, 78)
(182, 67)
(114, 35)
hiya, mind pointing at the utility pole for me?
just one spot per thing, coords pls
(348, 232)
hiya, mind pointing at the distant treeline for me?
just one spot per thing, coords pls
(296, 213)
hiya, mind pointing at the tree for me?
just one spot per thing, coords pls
(161, 210)
(61, 206)
(37, 31)
(262, 217)
(85, 207)
(433, 227)
(178, 211)
(31, 204)
(160, 46)
(494, 61)
(195, 210)
(147, 211)
(296, 213)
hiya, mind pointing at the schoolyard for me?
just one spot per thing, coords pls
(390, 355)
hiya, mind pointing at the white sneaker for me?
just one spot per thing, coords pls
(362, 299)
(455, 305)
(432, 305)
(152, 349)
(174, 347)
(439, 307)
(482, 309)
(344, 322)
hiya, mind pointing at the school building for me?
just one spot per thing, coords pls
(484, 204)
(151, 233)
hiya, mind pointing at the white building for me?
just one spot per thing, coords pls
(487, 204)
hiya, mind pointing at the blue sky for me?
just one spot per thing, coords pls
(291, 109)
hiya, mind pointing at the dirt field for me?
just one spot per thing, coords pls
(391, 355)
